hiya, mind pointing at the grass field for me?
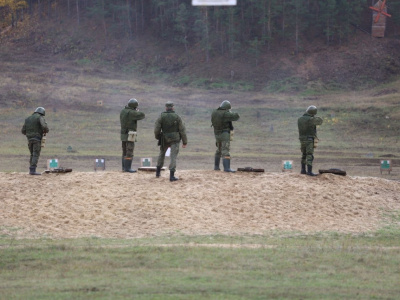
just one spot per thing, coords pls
(280, 266)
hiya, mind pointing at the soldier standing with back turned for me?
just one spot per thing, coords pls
(307, 125)
(221, 120)
(128, 118)
(169, 130)
(35, 128)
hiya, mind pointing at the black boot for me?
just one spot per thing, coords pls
(216, 163)
(123, 164)
(309, 171)
(303, 169)
(32, 171)
(172, 177)
(128, 166)
(158, 172)
(227, 165)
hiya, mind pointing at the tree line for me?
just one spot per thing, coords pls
(254, 25)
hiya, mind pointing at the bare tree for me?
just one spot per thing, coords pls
(77, 12)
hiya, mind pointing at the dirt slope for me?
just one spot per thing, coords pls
(119, 205)
(358, 61)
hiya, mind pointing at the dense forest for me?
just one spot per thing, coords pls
(225, 29)
(252, 28)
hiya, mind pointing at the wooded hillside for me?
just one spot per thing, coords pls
(253, 33)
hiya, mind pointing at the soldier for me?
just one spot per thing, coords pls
(169, 130)
(128, 118)
(35, 128)
(221, 120)
(307, 134)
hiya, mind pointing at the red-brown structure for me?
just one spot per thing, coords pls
(379, 18)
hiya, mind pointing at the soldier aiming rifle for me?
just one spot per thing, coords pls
(221, 120)
(307, 125)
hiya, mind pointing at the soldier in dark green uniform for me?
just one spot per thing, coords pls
(221, 120)
(128, 118)
(169, 130)
(35, 128)
(307, 134)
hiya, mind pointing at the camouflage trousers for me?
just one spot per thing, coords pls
(34, 148)
(307, 150)
(127, 149)
(174, 155)
(223, 143)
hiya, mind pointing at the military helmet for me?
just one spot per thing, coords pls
(225, 105)
(312, 110)
(40, 110)
(169, 104)
(133, 103)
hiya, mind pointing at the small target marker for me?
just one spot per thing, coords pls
(52, 164)
(99, 164)
(386, 165)
(287, 165)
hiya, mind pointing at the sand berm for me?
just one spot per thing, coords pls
(121, 205)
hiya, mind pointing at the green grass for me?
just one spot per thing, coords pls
(276, 266)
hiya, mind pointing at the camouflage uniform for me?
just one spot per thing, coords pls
(169, 130)
(221, 120)
(128, 118)
(35, 127)
(307, 125)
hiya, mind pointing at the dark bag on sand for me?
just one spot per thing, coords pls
(333, 171)
(250, 169)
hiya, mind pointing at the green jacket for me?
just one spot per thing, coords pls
(307, 125)
(128, 118)
(221, 119)
(172, 128)
(34, 127)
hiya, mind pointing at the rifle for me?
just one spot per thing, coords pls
(231, 133)
(160, 140)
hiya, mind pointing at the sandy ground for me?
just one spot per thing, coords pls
(120, 205)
